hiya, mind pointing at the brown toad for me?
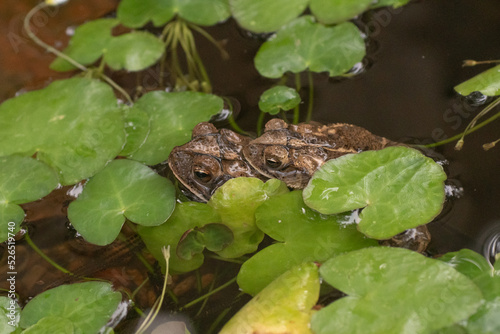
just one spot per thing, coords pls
(292, 153)
(210, 159)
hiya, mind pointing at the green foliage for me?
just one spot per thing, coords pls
(172, 117)
(136, 13)
(133, 51)
(468, 262)
(303, 44)
(9, 314)
(51, 325)
(264, 15)
(22, 180)
(398, 188)
(301, 234)
(87, 306)
(186, 216)
(236, 202)
(336, 11)
(279, 98)
(394, 290)
(214, 237)
(73, 125)
(284, 306)
(123, 189)
(393, 3)
(487, 82)
(137, 129)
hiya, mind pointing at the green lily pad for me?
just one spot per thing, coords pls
(264, 15)
(303, 44)
(137, 128)
(214, 237)
(279, 98)
(393, 3)
(172, 118)
(393, 291)
(51, 325)
(186, 216)
(236, 202)
(9, 315)
(398, 188)
(73, 125)
(87, 44)
(88, 306)
(124, 189)
(133, 51)
(468, 262)
(487, 82)
(301, 234)
(22, 180)
(335, 11)
(284, 306)
(136, 13)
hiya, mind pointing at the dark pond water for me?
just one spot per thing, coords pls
(405, 94)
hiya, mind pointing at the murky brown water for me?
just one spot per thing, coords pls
(405, 94)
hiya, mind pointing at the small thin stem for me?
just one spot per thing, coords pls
(489, 146)
(202, 32)
(235, 125)
(310, 103)
(239, 260)
(45, 257)
(197, 300)
(139, 288)
(260, 122)
(296, 110)
(474, 62)
(117, 87)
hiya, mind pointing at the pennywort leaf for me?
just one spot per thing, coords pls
(335, 11)
(9, 315)
(487, 82)
(124, 189)
(278, 98)
(397, 188)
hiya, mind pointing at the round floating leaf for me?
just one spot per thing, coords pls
(124, 189)
(136, 13)
(397, 187)
(236, 202)
(186, 216)
(134, 51)
(88, 306)
(301, 234)
(278, 98)
(487, 82)
(284, 306)
(51, 325)
(264, 15)
(303, 44)
(393, 291)
(335, 11)
(9, 315)
(22, 180)
(393, 3)
(172, 119)
(87, 44)
(468, 262)
(215, 237)
(137, 129)
(73, 125)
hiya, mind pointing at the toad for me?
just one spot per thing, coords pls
(210, 159)
(292, 153)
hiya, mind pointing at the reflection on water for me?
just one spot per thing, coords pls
(491, 241)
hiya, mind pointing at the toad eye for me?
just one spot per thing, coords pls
(203, 175)
(276, 157)
(273, 163)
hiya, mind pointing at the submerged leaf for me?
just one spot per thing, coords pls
(214, 237)
(136, 13)
(301, 234)
(73, 125)
(124, 189)
(398, 188)
(236, 202)
(264, 15)
(468, 262)
(88, 306)
(172, 118)
(303, 44)
(393, 291)
(186, 216)
(284, 306)
(278, 98)
(487, 82)
(22, 180)
(335, 11)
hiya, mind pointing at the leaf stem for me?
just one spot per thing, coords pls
(296, 110)
(260, 122)
(197, 300)
(310, 103)
(44, 256)
(202, 32)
